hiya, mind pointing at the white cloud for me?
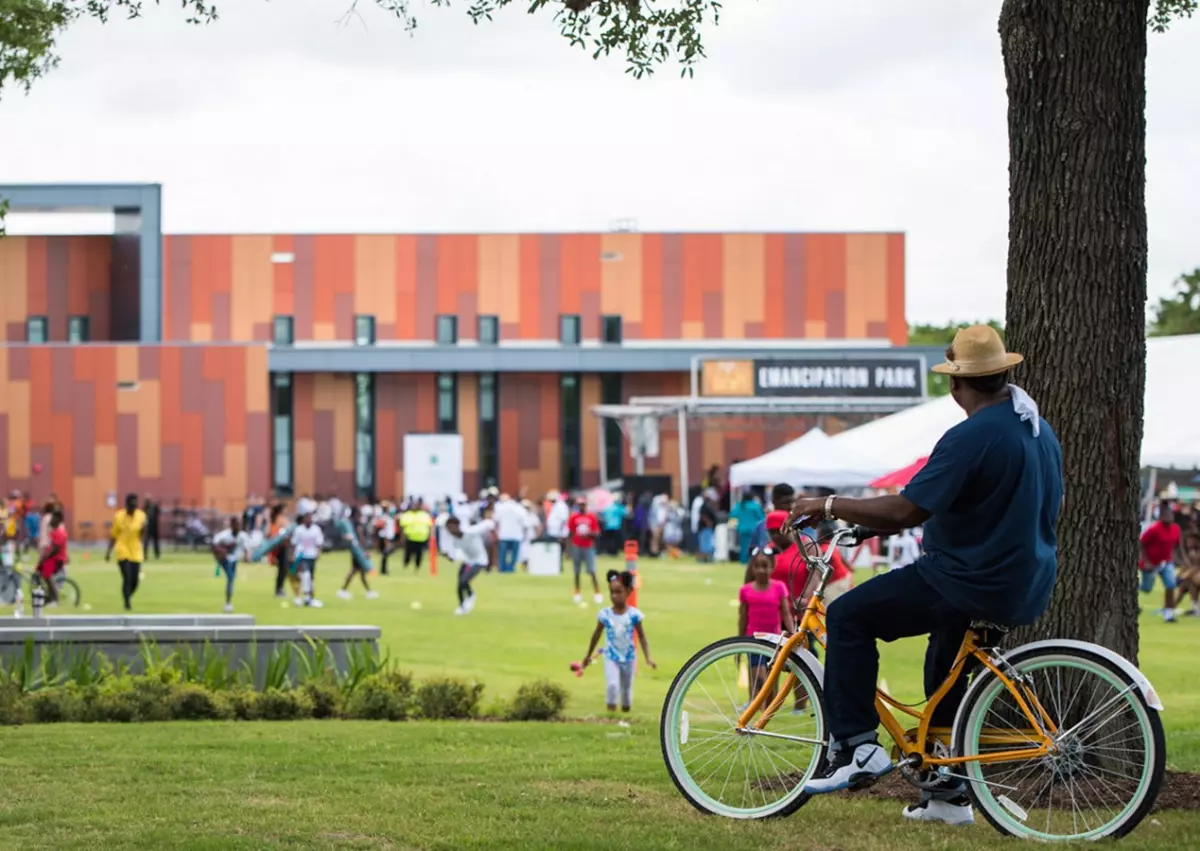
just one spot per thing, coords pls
(864, 115)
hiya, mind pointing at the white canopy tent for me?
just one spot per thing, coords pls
(812, 459)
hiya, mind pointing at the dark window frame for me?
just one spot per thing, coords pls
(489, 429)
(290, 324)
(447, 382)
(43, 322)
(606, 324)
(281, 381)
(565, 320)
(491, 320)
(451, 321)
(614, 456)
(364, 474)
(84, 323)
(571, 443)
(369, 319)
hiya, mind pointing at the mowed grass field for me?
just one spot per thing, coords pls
(588, 783)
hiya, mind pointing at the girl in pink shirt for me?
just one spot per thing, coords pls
(764, 608)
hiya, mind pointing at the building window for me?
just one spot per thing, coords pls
(489, 430)
(568, 329)
(35, 329)
(447, 330)
(364, 434)
(610, 329)
(489, 330)
(447, 403)
(364, 330)
(281, 410)
(569, 402)
(610, 394)
(78, 329)
(283, 335)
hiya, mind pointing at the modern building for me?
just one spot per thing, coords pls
(202, 368)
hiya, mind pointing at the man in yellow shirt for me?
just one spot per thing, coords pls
(416, 524)
(127, 528)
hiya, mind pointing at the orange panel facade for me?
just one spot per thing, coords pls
(664, 286)
(55, 277)
(188, 424)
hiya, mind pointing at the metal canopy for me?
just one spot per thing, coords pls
(643, 411)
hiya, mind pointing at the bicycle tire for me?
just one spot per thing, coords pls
(673, 718)
(1008, 820)
(69, 593)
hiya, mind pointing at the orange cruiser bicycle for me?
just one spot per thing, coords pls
(1056, 740)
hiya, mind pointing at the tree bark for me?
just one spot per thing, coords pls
(1076, 73)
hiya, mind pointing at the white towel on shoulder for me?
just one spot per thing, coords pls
(1025, 408)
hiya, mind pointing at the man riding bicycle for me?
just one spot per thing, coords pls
(989, 500)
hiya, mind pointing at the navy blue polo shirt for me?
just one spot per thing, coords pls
(994, 491)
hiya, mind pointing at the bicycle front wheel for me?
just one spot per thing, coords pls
(68, 593)
(732, 773)
(1107, 765)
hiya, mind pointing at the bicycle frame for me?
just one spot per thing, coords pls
(812, 619)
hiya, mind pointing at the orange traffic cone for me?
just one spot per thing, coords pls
(631, 564)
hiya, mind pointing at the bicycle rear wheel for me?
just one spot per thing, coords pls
(68, 593)
(745, 775)
(1105, 772)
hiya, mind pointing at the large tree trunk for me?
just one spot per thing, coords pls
(1076, 72)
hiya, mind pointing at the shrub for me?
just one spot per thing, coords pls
(448, 697)
(12, 706)
(278, 705)
(381, 697)
(150, 695)
(325, 698)
(52, 705)
(241, 704)
(540, 700)
(114, 701)
(191, 702)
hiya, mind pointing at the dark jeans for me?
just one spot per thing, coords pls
(130, 575)
(610, 542)
(894, 605)
(413, 551)
(466, 573)
(281, 572)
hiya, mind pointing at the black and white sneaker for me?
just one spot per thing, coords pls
(956, 811)
(851, 768)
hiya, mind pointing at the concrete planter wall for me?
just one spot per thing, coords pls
(235, 642)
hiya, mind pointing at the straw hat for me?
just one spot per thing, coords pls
(977, 351)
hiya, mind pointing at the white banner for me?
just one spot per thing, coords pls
(433, 465)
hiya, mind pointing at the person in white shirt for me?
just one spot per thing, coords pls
(387, 537)
(229, 545)
(532, 528)
(471, 549)
(556, 522)
(904, 550)
(511, 525)
(307, 541)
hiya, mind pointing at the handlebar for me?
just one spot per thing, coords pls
(849, 535)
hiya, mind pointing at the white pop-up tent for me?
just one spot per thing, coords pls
(813, 459)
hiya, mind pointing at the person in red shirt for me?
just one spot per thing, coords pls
(1161, 546)
(54, 557)
(582, 529)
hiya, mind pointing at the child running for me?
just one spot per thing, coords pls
(360, 564)
(307, 541)
(764, 608)
(621, 622)
(227, 546)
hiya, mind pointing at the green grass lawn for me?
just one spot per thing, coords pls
(425, 785)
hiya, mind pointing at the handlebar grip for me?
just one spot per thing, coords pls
(862, 533)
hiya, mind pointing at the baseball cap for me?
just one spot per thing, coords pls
(776, 520)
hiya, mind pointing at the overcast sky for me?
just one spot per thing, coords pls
(876, 115)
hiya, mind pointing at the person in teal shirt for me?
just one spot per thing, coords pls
(748, 513)
(612, 519)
